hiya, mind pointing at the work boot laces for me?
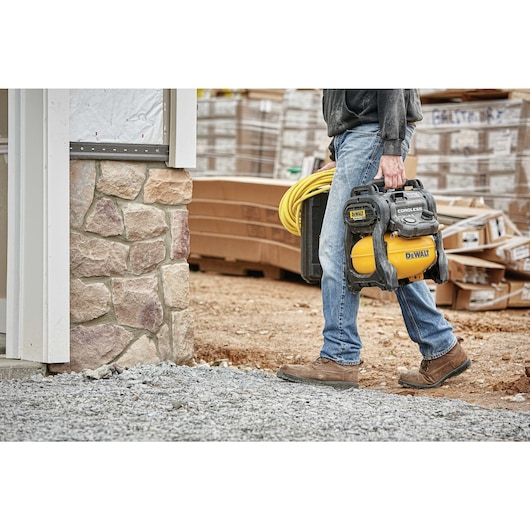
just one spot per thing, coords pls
(320, 360)
(424, 366)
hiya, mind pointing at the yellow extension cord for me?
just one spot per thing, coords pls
(290, 207)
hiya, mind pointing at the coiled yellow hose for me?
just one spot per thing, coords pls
(290, 207)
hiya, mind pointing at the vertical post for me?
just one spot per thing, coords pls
(38, 278)
(183, 128)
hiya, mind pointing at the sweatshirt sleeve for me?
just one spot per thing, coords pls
(392, 113)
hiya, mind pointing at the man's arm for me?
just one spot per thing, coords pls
(392, 112)
(393, 125)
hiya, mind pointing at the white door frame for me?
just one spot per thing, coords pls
(3, 152)
(38, 261)
(3, 241)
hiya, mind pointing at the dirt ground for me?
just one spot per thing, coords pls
(258, 322)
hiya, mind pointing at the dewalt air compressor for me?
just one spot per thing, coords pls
(392, 237)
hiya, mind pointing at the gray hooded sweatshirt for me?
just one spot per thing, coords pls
(392, 109)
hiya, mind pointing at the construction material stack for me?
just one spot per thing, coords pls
(237, 136)
(477, 148)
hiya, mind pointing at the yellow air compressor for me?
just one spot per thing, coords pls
(392, 237)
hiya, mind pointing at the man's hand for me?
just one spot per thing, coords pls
(392, 169)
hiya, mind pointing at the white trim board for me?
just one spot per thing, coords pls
(38, 276)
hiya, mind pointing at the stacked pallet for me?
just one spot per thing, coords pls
(236, 136)
(477, 148)
(235, 227)
(265, 133)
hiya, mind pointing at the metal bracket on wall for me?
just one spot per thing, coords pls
(87, 150)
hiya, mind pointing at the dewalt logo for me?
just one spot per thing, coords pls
(357, 214)
(417, 254)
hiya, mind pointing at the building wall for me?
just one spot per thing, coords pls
(129, 275)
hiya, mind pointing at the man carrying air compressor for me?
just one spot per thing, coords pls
(371, 131)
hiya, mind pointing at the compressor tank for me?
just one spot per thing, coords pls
(411, 257)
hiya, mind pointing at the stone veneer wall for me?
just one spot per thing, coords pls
(129, 276)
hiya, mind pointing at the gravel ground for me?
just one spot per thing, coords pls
(165, 402)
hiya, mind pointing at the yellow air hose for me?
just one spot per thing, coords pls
(290, 207)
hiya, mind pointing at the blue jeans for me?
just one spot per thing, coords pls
(357, 154)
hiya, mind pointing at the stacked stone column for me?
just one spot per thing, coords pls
(129, 244)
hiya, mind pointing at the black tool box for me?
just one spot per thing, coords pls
(312, 213)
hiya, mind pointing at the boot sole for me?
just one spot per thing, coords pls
(341, 385)
(464, 366)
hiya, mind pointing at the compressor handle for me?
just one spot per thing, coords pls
(380, 183)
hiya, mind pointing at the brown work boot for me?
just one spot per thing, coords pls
(322, 372)
(433, 373)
